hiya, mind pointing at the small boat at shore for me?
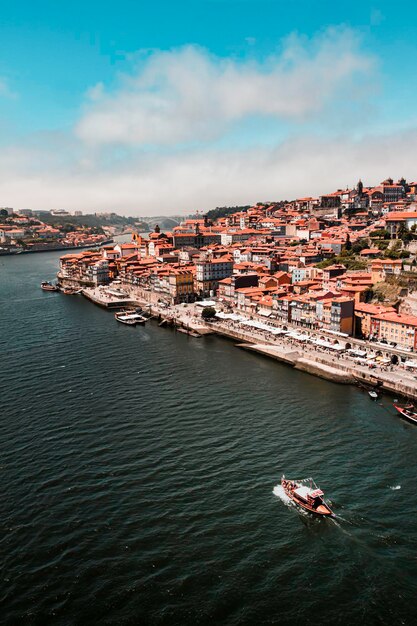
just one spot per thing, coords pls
(408, 412)
(373, 395)
(308, 497)
(48, 286)
(69, 291)
(189, 332)
(129, 318)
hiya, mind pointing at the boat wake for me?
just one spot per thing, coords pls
(278, 491)
(395, 487)
(338, 520)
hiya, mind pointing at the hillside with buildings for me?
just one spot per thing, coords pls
(343, 262)
(25, 230)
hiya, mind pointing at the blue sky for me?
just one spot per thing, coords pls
(150, 107)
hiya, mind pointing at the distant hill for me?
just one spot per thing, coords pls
(214, 214)
(94, 221)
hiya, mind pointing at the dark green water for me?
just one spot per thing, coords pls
(138, 469)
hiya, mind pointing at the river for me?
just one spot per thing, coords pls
(139, 469)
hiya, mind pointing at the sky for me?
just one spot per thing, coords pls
(163, 107)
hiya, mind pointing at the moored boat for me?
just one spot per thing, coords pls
(373, 395)
(47, 286)
(69, 291)
(189, 332)
(408, 412)
(129, 318)
(310, 497)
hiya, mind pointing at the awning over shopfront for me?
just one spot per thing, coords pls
(256, 324)
(357, 352)
(337, 346)
(298, 336)
(321, 343)
(230, 316)
(206, 303)
(278, 331)
(326, 344)
(337, 332)
(382, 360)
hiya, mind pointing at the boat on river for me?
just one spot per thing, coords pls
(48, 286)
(69, 291)
(189, 332)
(307, 496)
(129, 318)
(373, 395)
(408, 412)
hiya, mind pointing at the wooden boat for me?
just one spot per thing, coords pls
(408, 412)
(309, 498)
(47, 286)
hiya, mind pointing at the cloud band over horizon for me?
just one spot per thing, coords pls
(187, 130)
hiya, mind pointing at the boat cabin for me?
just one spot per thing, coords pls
(313, 497)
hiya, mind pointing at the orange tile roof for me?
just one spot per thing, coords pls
(408, 320)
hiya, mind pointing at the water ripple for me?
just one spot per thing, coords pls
(138, 468)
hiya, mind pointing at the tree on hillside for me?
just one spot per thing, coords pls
(214, 214)
(396, 252)
(403, 233)
(348, 243)
(208, 313)
(360, 245)
(380, 233)
(349, 261)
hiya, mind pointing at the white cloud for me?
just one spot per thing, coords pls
(180, 103)
(188, 94)
(202, 179)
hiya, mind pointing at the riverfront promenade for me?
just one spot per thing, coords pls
(317, 352)
(337, 365)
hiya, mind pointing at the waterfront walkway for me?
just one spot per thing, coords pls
(328, 360)
(332, 356)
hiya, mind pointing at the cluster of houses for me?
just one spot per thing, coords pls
(268, 261)
(28, 231)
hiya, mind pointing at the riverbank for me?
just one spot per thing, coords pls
(142, 453)
(336, 366)
(52, 248)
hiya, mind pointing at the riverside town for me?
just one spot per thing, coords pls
(327, 285)
(208, 313)
(27, 231)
